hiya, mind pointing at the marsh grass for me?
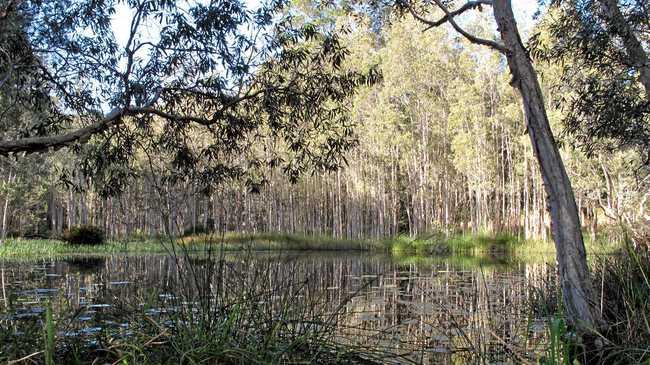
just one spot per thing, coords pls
(50, 248)
(623, 291)
(485, 245)
(624, 288)
(37, 249)
(490, 247)
(282, 241)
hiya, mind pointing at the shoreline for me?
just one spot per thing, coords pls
(401, 246)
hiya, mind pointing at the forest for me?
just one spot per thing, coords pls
(208, 144)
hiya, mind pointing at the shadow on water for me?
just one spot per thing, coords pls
(85, 265)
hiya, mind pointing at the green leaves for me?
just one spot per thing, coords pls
(604, 104)
(229, 78)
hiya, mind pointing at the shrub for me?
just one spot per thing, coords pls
(197, 229)
(84, 235)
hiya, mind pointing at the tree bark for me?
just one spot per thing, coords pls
(580, 309)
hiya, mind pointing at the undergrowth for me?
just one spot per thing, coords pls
(488, 245)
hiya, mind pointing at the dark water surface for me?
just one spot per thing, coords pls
(432, 310)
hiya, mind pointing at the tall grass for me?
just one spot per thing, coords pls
(282, 241)
(222, 312)
(485, 244)
(623, 294)
(463, 244)
(50, 248)
(624, 289)
(41, 248)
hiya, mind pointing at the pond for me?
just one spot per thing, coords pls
(419, 310)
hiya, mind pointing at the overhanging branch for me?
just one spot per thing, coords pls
(449, 18)
(468, 6)
(81, 135)
(39, 144)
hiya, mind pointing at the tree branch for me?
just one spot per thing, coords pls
(37, 144)
(449, 17)
(468, 6)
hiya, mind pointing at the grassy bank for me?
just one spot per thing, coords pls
(37, 248)
(40, 248)
(283, 241)
(403, 246)
(483, 244)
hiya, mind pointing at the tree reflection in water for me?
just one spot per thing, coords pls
(426, 311)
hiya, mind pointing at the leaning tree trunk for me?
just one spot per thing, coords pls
(577, 293)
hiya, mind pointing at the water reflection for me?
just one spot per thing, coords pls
(432, 311)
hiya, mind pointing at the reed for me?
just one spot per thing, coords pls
(623, 288)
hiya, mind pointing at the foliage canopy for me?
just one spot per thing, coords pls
(216, 90)
(599, 44)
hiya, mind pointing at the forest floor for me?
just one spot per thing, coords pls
(500, 245)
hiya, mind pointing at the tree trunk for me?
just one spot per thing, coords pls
(580, 309)
(5, 209)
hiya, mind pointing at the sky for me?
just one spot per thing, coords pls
(524, 11)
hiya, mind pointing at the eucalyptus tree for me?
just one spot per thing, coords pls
(194, 83)
(579, 304)
(605, 79)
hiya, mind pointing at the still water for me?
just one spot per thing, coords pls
(420, 310)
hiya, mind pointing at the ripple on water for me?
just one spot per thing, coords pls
(119, 283)
(99, 306)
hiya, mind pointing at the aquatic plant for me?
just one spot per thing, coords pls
(559, 349)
